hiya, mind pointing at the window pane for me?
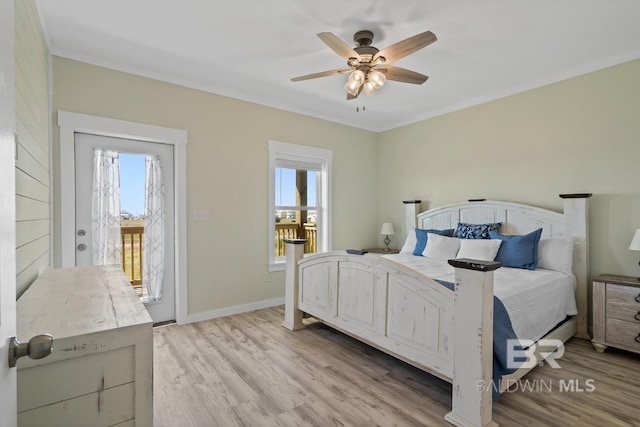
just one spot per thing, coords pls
(285, 187)
(295, 225)
(295, 187)
(295, 217)
(311, 188)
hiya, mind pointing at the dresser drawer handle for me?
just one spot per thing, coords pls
(638, 298)
(637, 316)
(638, 338)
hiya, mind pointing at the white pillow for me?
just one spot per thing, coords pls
(480, 249)
(441, 247)
(556, 253)
(410, 242)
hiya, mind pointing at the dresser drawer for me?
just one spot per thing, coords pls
(624, 334)
(50, 383)
(622, 303)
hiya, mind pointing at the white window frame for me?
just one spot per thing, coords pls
(305, 155)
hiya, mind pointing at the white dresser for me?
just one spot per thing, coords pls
(100, 372)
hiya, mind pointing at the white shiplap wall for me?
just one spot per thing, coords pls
(33, 153)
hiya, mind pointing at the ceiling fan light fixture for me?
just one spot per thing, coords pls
(356, 78)
(352, 87)
(377, 78)
(369, 88)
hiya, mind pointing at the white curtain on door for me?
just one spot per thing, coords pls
(154, 226)
(105, 212)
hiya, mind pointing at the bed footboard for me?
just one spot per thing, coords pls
(405, 314)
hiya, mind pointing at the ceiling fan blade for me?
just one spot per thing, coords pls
(320, 74)
(406, 47)
(402, 75)
(338, 46)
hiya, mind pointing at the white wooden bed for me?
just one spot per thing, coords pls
(412, 317)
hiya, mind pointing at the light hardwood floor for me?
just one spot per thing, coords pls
(247, 370)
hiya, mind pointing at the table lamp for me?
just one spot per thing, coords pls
(387, 230)
(635, 243)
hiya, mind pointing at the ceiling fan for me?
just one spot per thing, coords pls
(369, 66)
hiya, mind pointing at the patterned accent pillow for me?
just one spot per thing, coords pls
(476, 231)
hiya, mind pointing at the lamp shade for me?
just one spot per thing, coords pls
(387, 228)
(635, 242)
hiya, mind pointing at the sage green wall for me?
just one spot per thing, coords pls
(227, 173)
(32, 157)
(578, 135)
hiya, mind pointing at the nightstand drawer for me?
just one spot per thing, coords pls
(622, 303)
(625, 334)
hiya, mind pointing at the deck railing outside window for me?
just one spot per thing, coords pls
(294, 231)
(132, 238)
(132, 250)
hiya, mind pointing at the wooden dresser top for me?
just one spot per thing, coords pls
(68, 302)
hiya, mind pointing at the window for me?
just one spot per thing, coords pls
(299, 185)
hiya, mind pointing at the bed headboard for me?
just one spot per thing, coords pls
(518, 218)
(515, 218)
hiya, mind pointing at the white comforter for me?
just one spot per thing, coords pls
(535, 300)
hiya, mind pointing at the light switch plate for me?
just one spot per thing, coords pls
(200, 215)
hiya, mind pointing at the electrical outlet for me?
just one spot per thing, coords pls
(267, 278)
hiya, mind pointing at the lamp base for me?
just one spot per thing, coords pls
(387, 240)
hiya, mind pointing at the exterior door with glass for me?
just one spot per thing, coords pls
(130, 156)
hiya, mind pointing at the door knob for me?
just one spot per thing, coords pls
(38, 347)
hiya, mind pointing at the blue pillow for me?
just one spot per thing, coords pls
(518, 251)
(476, 231)
(421, 238)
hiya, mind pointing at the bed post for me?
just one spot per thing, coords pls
(292, 315)
(411, 210)
(576, 227)
(472, 343)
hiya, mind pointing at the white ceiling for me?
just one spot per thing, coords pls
(249, 49)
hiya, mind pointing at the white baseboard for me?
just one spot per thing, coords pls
(228, 311)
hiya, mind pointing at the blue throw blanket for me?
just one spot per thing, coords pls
(502, 331)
